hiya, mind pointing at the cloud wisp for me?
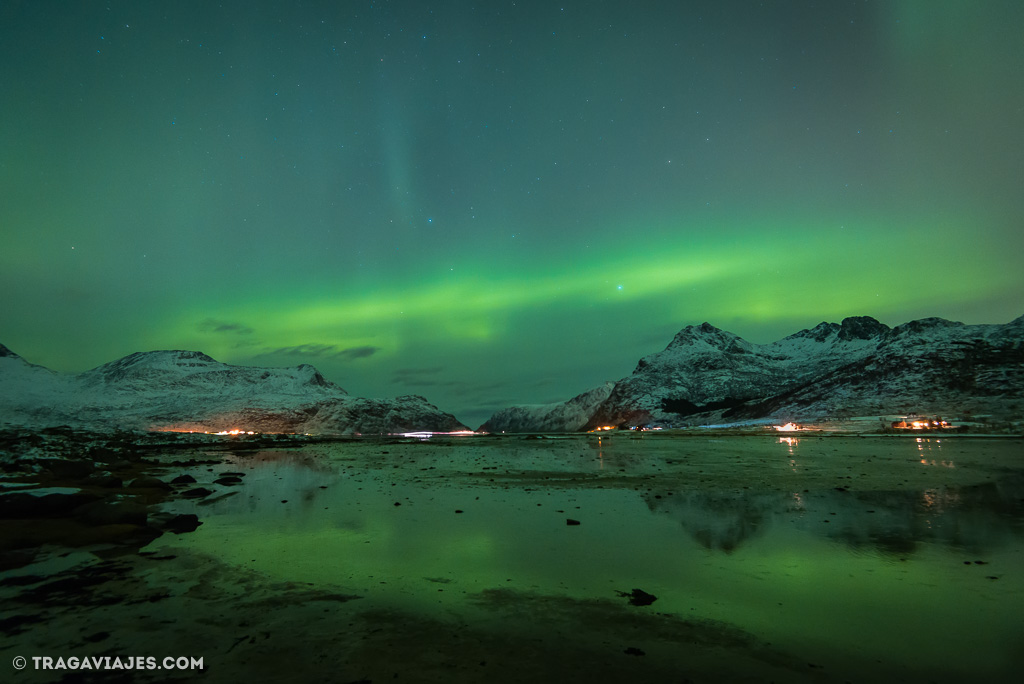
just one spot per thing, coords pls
(212, 325)
(324, 351)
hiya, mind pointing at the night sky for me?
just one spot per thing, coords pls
(499, 202)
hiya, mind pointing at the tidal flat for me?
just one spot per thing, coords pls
(635, 557)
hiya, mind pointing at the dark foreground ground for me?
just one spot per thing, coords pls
(110, 558)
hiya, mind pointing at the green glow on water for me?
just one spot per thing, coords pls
(813, 573)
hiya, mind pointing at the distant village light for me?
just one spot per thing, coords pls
(934, 424)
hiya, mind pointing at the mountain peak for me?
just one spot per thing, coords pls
(706, 334)
(144, 363)
(818, 333)
(861, 328)
(925, 324)
(175, 356)
(313, 376)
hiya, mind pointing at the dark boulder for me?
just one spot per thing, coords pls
(112, 513)
(57, 504)
(639, 597)
(148, 483)
(185, 522)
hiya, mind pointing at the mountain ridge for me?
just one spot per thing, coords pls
(705, 375)
(188, 390)
(859, 366)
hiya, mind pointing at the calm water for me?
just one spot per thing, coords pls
(874, 559)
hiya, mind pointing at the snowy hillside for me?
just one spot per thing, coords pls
(569, 416)
(190, 371)
(929, 366)
(705, 369)
(188, 390)
(857, 367)
(28, 391)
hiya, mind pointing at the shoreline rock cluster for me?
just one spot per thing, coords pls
(73, 489)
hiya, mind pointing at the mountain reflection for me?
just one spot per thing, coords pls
(976, 519)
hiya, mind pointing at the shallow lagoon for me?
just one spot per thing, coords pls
(857, 566)
(772, 559)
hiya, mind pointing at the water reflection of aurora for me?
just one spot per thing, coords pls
(722, 530)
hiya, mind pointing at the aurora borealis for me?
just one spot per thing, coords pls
(498, 202)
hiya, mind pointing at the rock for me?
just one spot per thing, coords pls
(54, 504)
(639, 597)
(570, 521)
(186, 522)
(183, 479)
(70, 470)
(104, 455)
(634, 651)
(197, 493)
(112, 513)
(148, 483)
(228, 480)
(106, 481)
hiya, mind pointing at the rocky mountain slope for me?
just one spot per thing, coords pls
(188, 390)
(859, 367)
(569, 416)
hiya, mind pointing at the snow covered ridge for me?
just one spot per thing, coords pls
(859, 367)
(189, 370)
(569, 416)
(187, 390)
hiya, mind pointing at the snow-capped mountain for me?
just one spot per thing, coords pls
(197, 372)
(28, 391)
(188, 390)
(931, 366)
(857, 367)
(568, 416)
(705, 369)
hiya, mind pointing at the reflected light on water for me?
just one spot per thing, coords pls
(790, 442)
(939, 500)
(933, 462)
(778, 557)
(925, 446)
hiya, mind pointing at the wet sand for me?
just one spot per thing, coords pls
(457, 560)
